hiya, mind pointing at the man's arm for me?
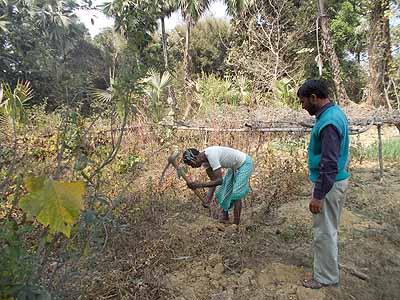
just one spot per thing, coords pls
(216, 179)
(328, 171)
(211, 190)
(330, 140)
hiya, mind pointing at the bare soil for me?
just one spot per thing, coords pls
(177, 251)
(161, 243)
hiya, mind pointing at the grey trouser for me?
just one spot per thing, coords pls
(326, 223)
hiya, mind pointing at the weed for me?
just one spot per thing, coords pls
(285, 93)
(296, 231)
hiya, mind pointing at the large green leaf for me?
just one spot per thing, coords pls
(56, 204)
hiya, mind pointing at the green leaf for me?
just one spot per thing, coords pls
(56, 204)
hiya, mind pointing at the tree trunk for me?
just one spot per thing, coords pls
(171, 93)
(164, 43)
(187, 58)
(379, 55)
(342, 97)
(187, 61)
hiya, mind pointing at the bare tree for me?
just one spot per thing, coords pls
(271, 37)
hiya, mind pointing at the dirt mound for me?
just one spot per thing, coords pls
(213, 280)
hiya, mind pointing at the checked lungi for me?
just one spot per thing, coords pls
(235, 185)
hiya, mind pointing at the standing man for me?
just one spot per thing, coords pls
(233, 187)
(328, 154)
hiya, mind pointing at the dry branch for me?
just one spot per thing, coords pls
(354, 272)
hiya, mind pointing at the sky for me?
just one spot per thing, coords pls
(217, 9)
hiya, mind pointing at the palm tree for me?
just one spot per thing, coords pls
(155, 85)
(235, 7)
(165, 9)
(191, 12)
(117, 48)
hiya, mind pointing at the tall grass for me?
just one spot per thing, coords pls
(390, 150)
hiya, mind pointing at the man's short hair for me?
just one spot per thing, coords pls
(189, 155)
(314, 86)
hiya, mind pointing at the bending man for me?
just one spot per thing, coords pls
(233, 187)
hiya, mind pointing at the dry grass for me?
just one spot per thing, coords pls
(157, 230)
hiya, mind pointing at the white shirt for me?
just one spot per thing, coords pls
(224, 157)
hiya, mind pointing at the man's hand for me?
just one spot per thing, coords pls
(194, 185)
(316, 205)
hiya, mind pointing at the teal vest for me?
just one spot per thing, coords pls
(336, 117)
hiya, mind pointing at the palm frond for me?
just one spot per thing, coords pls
(107, 8)
(157, 82)
(12, 104)
(193, 8)
(3, 25)
(65, 21)
(165, 80)
(235, 7)
(4, 126)
(23, 91)
(104, 96)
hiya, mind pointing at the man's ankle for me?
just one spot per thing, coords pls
(225, 215)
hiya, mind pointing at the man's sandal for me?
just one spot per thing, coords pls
(315, 285)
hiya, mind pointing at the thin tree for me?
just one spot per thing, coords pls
(191, 12)
(166, 9)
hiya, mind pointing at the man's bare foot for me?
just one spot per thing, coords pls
(237, 211)
(224, 217)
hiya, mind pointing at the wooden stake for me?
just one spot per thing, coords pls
(380, 151)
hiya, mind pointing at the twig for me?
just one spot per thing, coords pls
(181, 258)
(230, 269)
(106, 238)
(395, 91)
(354, 272)
(116, 147)
(380, 151)
(60, 152)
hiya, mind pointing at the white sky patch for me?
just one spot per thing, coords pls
(101, 21)
(217, 9)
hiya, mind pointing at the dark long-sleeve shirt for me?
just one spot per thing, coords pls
(330, 139)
